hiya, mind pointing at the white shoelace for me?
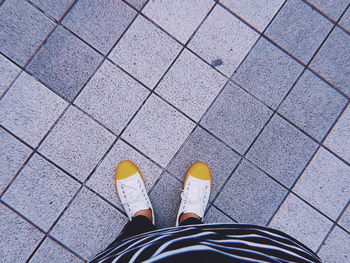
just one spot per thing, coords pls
(133, 193)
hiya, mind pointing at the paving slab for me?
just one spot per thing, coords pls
(138, 4)
(345, 20)
(215, 216)
(64, 63)
(165, 198)
(301, 221)
(20, 239)
(332, 61)
(41, 192)
(179, 18)
(236, 117)
(223, 37)
(145, 51)
(12, 156)
(190, 71)
(102, 180)
(77, 143)
(336, 247)
(23, 29)
(334, 8)
(203, 147)
(250, 196)
(299, 29)
(256, 13)
(102, 30)
(91, 219)
(9, 72)
(267, 73)
(29, 109)
(158, 130)
(112, 97)
(54, 8)
(344, 221)
(51, 251)
(282, 151)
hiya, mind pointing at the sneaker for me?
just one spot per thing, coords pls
(196, 192)
(131, 189)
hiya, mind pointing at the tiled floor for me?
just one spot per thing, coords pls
(257, 89)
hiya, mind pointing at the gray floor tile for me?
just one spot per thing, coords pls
(268, 73)
(331, 8)
(91, 219)
(223, 37)
(282, 151)
(333, 60)
(102, 180)
(165, 198)
(29, 109)
(216, 216)
(256, 13)
(112, 97)
(22, 30)
(12, 155)
(201, 146)
(41, 192)
(179, 18)
(64, 63)
(50, 251)
(9, 71)
(55, 8)
(344, 221)
(101, 30)
(77, 143)
(250, 196)
(313, 105)
(336, 248)
(20, 238)
(339, 138)
(299, 29)
(145, 52)
(302, 222)
(325, 183)
(158, 130)
(345, 20)
(137, 3)
(236, 117)
(191, 71)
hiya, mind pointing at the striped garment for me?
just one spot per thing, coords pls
(209, 243)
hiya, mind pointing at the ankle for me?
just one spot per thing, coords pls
(147, 213)
(185, 216)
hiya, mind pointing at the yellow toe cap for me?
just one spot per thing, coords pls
(125, 169)
(199, 170)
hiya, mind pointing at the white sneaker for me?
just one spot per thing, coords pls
(131, 189)
(196, 192)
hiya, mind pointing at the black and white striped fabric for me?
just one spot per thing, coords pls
(209, 243)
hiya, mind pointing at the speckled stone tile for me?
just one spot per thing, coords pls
(331, 8)
(137, 3)
(77, 143)
(222, 37)
(325, 183)
(91, 219)
(51, 251)
(282, 151)
(299, 29)
(301, 221)
(100, 23)
(256, 13)
(41, 192)
(112, 97)
(102, 180)
(333, 60)
(64, 63)
(203, 147)
(179, 18)
(145, 52)
(29, 109)
(313, 105)
(55, 8)
(216, 216)
(191, 71)
(344, 221)
(9, 71)
(158, 130)
(20, 239)
(345, 20)
(250, 196)
(12, 155)
(267, 73)
(236, 117)
(22, 30)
